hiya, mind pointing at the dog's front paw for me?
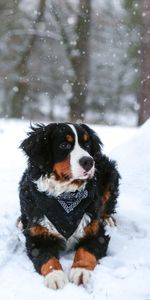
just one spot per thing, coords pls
(56, 279)
(79, 276)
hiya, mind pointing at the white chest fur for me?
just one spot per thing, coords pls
(74, 238)
(51, 186)
(79, 233)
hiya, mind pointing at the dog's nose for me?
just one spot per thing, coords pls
(86, 163)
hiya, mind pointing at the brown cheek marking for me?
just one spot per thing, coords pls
(62, 169)
(86, 137)
(51, 265)
(84, 259)
(92, 228)
(69, 138)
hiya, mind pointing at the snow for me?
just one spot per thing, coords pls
(124, 273)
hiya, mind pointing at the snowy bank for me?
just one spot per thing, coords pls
(124, 274)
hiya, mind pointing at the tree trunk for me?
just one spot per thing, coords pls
(144, 111)
(22, 84)
(80, 62)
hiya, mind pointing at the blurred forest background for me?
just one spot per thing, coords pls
(85, 60)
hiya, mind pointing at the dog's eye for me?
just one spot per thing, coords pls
(65, 146)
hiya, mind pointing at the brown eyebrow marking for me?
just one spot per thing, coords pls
(69, 138)
(86, 137)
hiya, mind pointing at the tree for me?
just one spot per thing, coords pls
(80, 62)
(69, 56)
(144, 94)
(109, 88)
(21, 85)
(7, 17)
(134, 29)
(78, 54)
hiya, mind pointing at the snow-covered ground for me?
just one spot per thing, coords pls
(125, 273)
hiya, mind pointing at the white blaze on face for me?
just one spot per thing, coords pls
(76, 154)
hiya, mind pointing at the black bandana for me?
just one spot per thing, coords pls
(66, 210)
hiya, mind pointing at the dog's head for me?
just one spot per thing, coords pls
(64, 149)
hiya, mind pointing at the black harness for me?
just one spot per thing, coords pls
(66, 210)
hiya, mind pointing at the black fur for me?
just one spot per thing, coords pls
(42, 149)
(96, 244)
(40, 249)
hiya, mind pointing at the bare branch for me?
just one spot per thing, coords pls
(31, 32)
(64, 35)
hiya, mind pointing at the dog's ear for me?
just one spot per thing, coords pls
(96, 142)
(35, 145)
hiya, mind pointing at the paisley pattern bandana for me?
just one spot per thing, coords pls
(69, 201)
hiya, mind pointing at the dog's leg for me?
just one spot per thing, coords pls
(43, 249)
(84, 263)
(91, 247)
(54, 277)
(107, 209)
(108, 186)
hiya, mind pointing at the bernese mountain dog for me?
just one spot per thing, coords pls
(67, 194)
